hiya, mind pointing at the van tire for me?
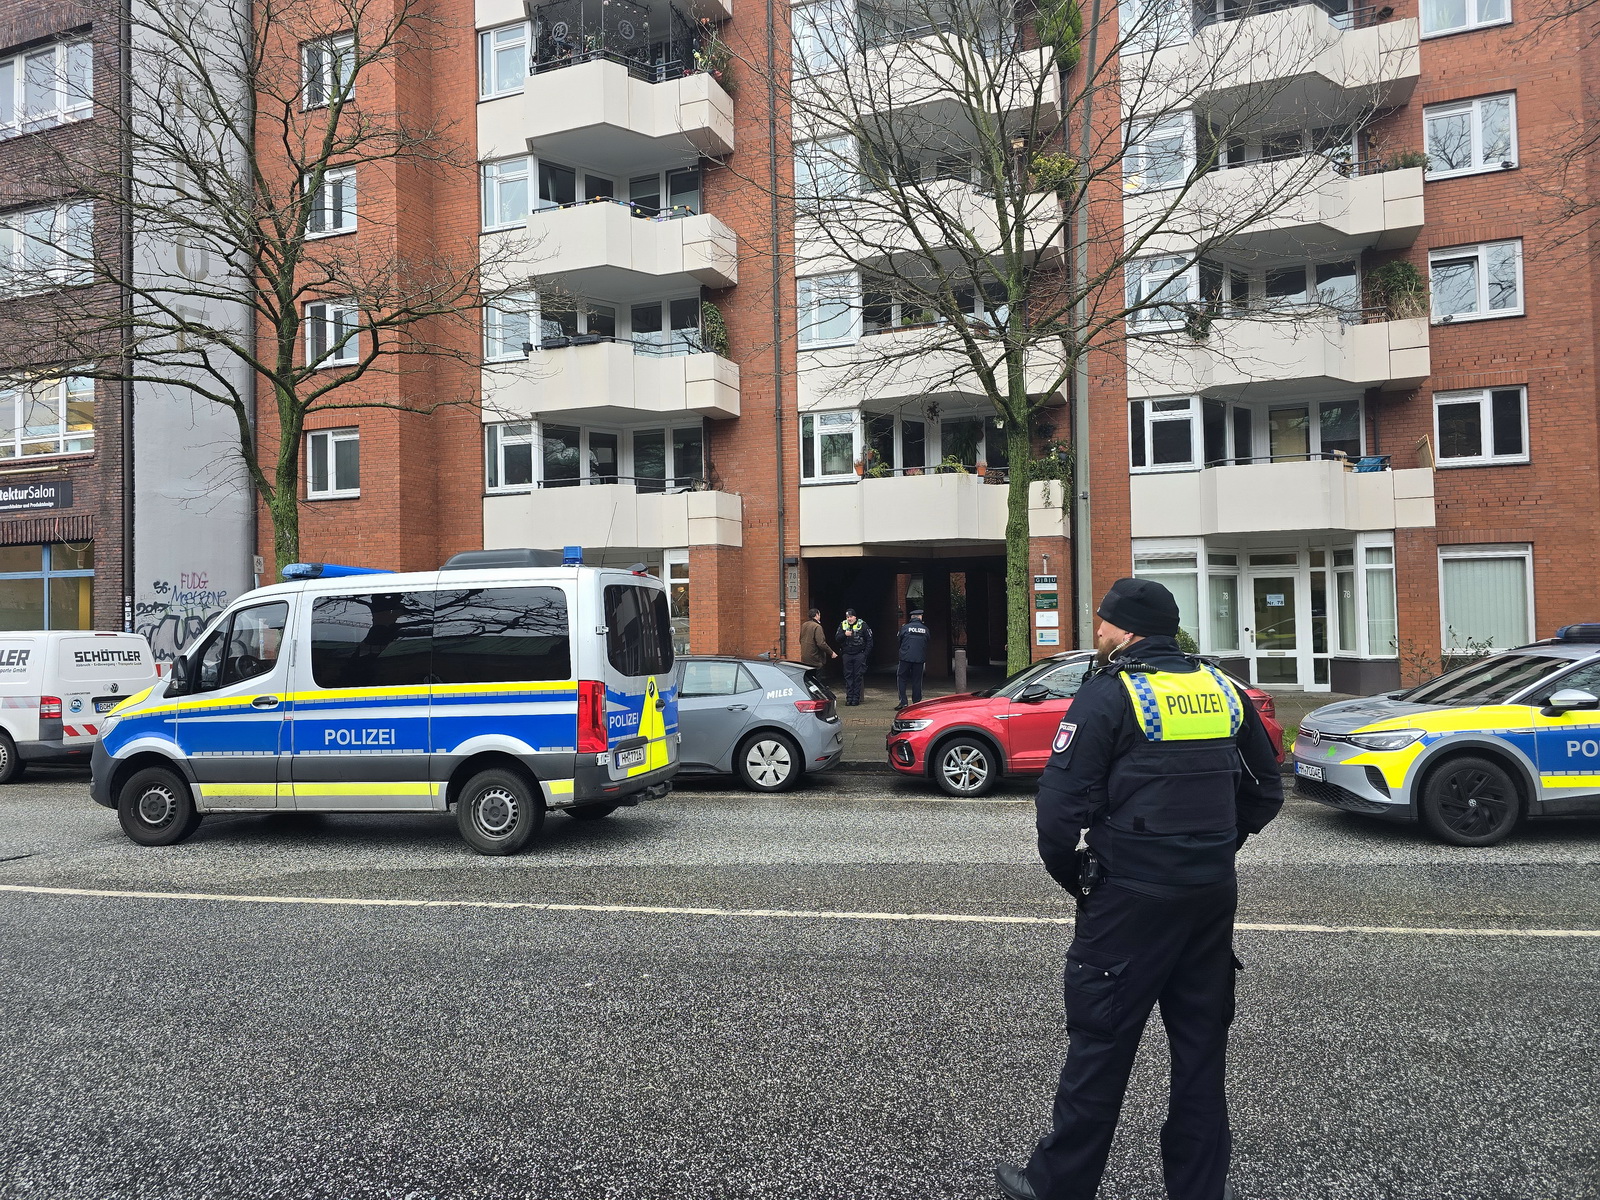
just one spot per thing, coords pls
(591, 812)
(499, 812)
(12, 768)
(155, 807)
(767, 762)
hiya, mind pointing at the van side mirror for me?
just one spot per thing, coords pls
(1569, 699)
(178, 681)
(1033, 694)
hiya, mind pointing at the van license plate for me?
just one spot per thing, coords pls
(105, 705)
(1308, 771)
(630, 758)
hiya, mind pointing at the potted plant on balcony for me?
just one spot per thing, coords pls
(1402, 159)
(713, 329)
(1397, 288)
(712, 55)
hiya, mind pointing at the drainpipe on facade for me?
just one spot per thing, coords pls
(1082, 549)
(125, 151)
(777, 323)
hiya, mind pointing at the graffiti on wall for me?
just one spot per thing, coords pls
(177, 613)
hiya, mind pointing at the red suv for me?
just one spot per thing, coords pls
(965, 743)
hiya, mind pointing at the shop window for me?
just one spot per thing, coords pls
(47, 587)
(47, 416)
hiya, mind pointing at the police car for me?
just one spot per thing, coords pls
(1472, 753)
(497, 689)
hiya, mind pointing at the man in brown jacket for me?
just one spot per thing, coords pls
(814, 648)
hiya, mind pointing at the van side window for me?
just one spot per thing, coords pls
(246, 647)
(501, 635)
(381, 640)
(638, 630)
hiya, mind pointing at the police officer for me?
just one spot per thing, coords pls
(913, 637)
(855, 641)
(1159, 771)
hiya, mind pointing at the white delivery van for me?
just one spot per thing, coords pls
(56, 687)
(498, 690)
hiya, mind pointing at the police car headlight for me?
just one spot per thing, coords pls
(1391, 739)
(899, 726)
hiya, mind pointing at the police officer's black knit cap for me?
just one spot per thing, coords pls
(849, 612)
(1140, 606)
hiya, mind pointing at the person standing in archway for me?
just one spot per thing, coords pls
(855, 640)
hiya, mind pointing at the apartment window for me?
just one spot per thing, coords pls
(1161, 433)
(47, 86)
(582, 324)
(520, 455)
(1160, 290)
(1185, 433)
(1471, 136)
(1178, 572)
(328, 68)
(1481, 428)
(829, 313)
(46, 416)
(1485, 595)
(1159, 154)
(1452, 16)
(825, 169)
(509, 451)
(666, 460)
(1155, 24)
(41, 248)
(829, 445)
(333, 336)
(670, 327)
(505, 193)
(333, 207)
(508, 325)
(333, 464)
(824, 36)
(47, 587)
(502, 60)
(1473, 283)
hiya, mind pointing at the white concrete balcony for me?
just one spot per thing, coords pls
(602, 249)
(1280, 497)
(921, 510)
(1295, 62)
(901, 364)
(870, 228)
(1273, 358)
(609, 381)
(1303, 208)
(612, 514)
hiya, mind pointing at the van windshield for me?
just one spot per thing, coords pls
(638, 630)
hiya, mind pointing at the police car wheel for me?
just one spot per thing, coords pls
(499, 812)
(1470, 801)
(965, 767)
(156, 807)
(591, 812)
(767, 762)
(11, 765)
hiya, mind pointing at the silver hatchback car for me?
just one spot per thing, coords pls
(767, 723)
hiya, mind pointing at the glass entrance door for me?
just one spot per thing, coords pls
(1277, 629)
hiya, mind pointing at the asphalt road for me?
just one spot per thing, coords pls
(868, 1047)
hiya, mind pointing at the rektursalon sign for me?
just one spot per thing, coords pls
(27, 497)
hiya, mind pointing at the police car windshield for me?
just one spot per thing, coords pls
(1491, 681)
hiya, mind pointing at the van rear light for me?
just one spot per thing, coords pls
(50, 708)
(591, 716)
(811, 706)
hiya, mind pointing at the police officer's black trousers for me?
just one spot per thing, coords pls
(855, 676)
(1130, 953)
(908, 677)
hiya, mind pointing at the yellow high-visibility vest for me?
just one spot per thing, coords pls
(1172, 707)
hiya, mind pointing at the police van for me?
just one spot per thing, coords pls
(496, 689)
(55, 687)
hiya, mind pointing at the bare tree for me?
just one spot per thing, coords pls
(243, 134)
(1000, 201)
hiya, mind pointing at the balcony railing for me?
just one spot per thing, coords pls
(1341, 15)
(655, 46)
(676, 344)
(645, 212)
(643, 484)
(1350, 168)
(1364, 464)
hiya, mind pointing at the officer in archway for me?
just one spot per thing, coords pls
(855, 643)
(1159, 771)
(913, 638)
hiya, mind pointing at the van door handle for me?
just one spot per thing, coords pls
(264, 702)
(737, 707)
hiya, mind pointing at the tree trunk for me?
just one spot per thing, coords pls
(1019, 593)
(283, 507)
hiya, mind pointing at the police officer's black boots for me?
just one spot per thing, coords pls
(1014, 1184)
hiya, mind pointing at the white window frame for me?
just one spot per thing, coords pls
(1473, 109)
(1156, 558)
(324, 442)
(1506, 550)
(1484, 398)
(1140, 272)
(837, 419)
(498, 344)
(320, 79)
(44, 248)
(1143, 30)
(839, 171)
(1189, 415)
(1473, 20)
(1137, 156)
(334, 204)
(811, 291)
(325, 323)
(832, 53)
(1366, 570)
(74, 100)
(493, 174)
(497, 436)
(1480, 253)
(18, 397)
(490, 44)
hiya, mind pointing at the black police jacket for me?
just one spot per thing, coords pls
(859, 642)
(913, 637)
(1160, 812)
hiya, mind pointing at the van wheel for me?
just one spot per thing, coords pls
(591, 812)
(156, 807)
(1470, 801)
(11, 764)
(966, 767)
(767, 762)
(499, 812)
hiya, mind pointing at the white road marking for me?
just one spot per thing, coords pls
(664, 910)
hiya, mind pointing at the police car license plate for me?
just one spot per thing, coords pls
(630, 758)
(1308, 771)
(105, 705)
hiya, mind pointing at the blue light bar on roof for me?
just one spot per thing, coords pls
(329, 571)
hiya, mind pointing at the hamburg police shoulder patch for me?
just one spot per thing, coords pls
(1064, 735)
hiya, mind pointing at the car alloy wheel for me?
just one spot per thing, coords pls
(965, 769)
